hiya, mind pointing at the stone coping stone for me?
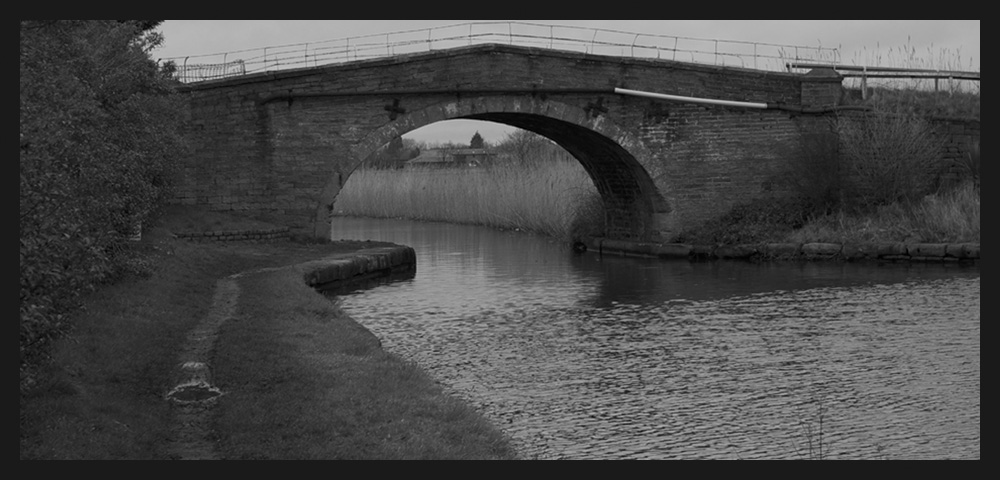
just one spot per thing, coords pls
(821, 249)
(735, 251)
(359, 265)
(887, 251)
(648, 249)
(236, 235)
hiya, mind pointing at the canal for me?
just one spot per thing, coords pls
(579, 356)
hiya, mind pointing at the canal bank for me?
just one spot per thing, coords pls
(196, 394)
(286, 373)
(878, 252)
(300, 379)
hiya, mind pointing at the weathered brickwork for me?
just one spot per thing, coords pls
(279, 146)
(957, 136)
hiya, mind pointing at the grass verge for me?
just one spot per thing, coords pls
(301, 379)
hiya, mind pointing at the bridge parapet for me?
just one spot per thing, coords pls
(594, 41)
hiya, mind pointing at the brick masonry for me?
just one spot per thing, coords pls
(279, 146)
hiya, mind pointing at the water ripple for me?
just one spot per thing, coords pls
(837, 368)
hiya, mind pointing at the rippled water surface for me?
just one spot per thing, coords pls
(578, 356)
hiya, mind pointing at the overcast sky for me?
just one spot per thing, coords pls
(857, 40)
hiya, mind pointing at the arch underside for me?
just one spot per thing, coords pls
(634, 207)
(631, 200)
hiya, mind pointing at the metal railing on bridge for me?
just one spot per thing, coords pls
(756, 55)
(862, 77)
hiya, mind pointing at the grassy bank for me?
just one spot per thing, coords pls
(948, 216)
(301, 379)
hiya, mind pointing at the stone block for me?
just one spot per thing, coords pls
(891, 249)
(703, 251)
(783, 250)
(821, 249)
(926, 249)
(963, 251)
(673, 250)
(859, 251)
(736, 251)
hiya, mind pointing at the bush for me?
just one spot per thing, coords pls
(888, 156)
(760, 221)
(816, 176)
(98, 134)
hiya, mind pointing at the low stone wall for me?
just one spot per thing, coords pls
(269, 235)
(893, 252)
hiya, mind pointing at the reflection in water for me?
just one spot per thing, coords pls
(581, 356)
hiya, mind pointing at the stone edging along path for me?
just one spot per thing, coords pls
(195, 394)
(885, 252)
(266, 235)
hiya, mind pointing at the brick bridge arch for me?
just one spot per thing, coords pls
(615, 161)
(279, 145)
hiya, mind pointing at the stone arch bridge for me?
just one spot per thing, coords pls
(279, 146)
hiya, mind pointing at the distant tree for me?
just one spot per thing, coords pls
(144, 25)
(524, 147)
(394, 154)
(477, 141)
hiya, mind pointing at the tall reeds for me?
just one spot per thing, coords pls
(908, 56)
(547, 197)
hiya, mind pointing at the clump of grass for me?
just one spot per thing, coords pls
(950, 216)
(547, 198)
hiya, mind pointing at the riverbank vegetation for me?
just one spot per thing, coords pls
(876, 190)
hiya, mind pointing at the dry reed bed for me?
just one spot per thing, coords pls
(542, 198)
